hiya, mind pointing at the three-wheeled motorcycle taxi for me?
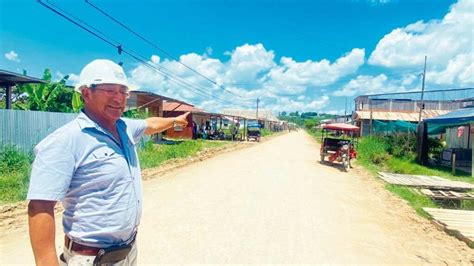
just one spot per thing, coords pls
(339, 142)
(253, 131)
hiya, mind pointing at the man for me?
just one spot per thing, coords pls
(91, 165)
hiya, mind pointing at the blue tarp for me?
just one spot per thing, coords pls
(461, 116)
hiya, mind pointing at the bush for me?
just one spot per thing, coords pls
(435, 147)
(373, 149)
(153, 155)
(400, 145)
(265, 132)
(15, 167)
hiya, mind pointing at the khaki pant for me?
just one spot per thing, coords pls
(74, 259)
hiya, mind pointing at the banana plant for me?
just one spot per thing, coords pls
(77, 103)
(49, 96)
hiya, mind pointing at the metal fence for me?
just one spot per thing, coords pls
(25, 129)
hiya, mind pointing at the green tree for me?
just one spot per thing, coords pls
(309, 124)
(136, 114)
(49, 96)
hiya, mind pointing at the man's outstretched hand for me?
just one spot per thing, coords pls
(182, 119)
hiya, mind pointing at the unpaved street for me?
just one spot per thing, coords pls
(274, 203)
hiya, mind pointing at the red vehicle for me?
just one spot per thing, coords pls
(338, 142)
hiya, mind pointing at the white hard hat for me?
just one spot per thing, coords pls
(102, 71)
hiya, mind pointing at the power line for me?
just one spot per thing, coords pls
(120, 48)
(118, 45)
(157, 47)
(349, 79)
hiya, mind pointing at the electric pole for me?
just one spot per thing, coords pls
(345, 112)
(422, 92)
(258, 100)
(422, 128)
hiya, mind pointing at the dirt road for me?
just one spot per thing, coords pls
(274, 203)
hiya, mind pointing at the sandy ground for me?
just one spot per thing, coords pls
(273, 203)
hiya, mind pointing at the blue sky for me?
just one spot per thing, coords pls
(293, 55)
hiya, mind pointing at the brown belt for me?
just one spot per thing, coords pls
(81, 249)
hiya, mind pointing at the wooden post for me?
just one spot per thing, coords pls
(245, 128)
(159, 136)
(370, 122)
(8, 96)
(422, 143)
(453, 163)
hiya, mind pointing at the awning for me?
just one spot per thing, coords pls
(394, 116)
(461, 116)
(232, 119)
(341, 126)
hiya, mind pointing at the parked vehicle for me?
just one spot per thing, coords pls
(339, 142)
(253, 131)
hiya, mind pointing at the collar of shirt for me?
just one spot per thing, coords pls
(86, 122)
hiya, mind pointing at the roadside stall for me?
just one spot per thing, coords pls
(459, 129)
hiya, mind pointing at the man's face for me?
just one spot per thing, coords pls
(107, 101)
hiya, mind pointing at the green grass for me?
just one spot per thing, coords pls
(153, 155)
(15, 167)
(409, 166)
(373, 155)
(417, 201)
(266, 132)
(316, 134)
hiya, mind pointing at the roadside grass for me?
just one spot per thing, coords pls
(417, 201)
(15, 167)
(154, 155)
(265, 132)
(409, 166)
(373, 155)
(316, 134)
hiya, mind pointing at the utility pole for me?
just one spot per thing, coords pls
(345, 112)
(422, 128)
(422, 92)
(258, 100)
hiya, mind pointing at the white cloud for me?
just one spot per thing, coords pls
(12, 56)
(366, 84)
(247, 62)
(288, 104)
(448, 44)
(59, 75)
(73, 78)
(251, 72)
(459, 70)
(336, 112)
(295, 77)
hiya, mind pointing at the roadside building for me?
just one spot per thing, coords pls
(392, 112)
(8, 80)
(459, 128)
(197, 120)
(265, 118)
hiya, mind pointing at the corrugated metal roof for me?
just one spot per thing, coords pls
(263, 114)
(403, 116)
(154, 95)
(11, 78)
(454, 117)
(180, 107)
